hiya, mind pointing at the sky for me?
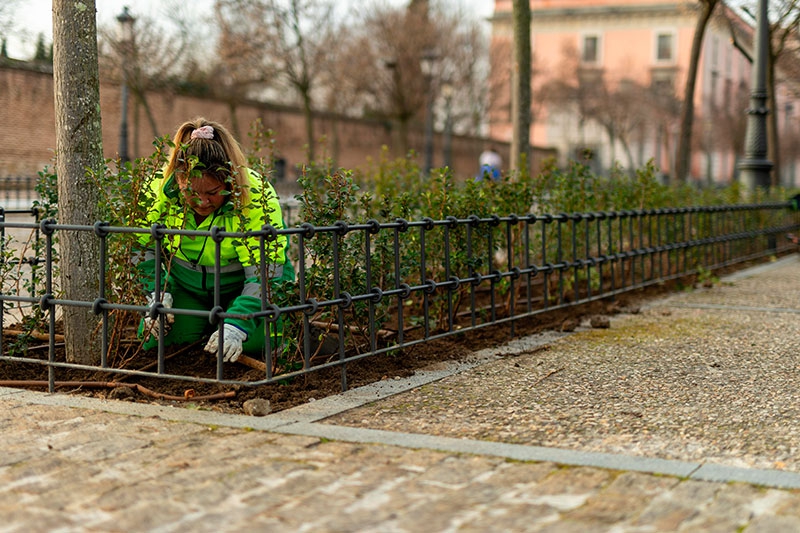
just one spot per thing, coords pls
(33, 17)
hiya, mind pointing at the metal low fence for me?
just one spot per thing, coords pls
(374, 288)
(17, 192)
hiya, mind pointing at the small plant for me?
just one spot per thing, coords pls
(706, 278)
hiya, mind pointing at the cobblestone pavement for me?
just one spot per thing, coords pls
(75, 464)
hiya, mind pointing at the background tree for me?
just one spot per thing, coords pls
(79, 152)
(378, 72)
(521, 85)
(464, 50)
(157, 58)
(241, 69)
(683, 157)
(592, 96)
(7, 10)
(43, 53)
(294, 38)
(392, 42)
(623, 112)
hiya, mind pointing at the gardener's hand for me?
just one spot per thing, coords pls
(232, 349)
(153, 325)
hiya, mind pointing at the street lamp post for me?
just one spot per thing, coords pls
(447, 92)
(126, 21)
(427, 64)
(755, 167)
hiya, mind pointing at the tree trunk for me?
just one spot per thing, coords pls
(402, 135)
(79, 150)
(683, 158)
(232, 108)
(309, 122)
(521, 88)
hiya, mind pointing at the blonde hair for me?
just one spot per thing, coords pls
(220, 157)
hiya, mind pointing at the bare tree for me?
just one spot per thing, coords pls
(624, 110)
(79, 152)
(294, 38)
(389, 48)
(153, 58)
(501, 54)
(687, 113)
(466, 55)
(621, 107)
(8, 9)
(242, 69)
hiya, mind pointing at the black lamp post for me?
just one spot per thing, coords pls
(427, 64)
(755, 167)
(447, 92)
(126, 21)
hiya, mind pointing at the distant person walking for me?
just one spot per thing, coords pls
(491, 165)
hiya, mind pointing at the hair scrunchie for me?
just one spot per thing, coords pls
(203, 132)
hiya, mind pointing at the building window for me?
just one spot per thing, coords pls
(590, 51)
(665, 43)
(662, 86)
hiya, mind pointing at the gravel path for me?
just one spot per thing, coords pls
(709, 375)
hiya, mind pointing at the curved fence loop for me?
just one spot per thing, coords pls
(45, 302)
(374, 226)
(100, 228)
(270, 232)
(213, 314)
(376, 295)
(99, 305)
(47, 226)
(312, 306)
(341, 226)
(430, 286)
(273, 313)
(308, 230)
(157, 231)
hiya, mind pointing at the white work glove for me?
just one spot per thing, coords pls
(232, 349)
(152, 325)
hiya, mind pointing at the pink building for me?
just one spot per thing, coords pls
(608, 78)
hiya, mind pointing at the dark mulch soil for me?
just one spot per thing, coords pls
(193, 360)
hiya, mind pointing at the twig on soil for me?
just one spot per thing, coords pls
(252, 363)
(334, 328)
(187, 395)
(33, 334)
(557, 370)
(44, 346)
(170, 356)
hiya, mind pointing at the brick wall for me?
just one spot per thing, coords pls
(28, 141)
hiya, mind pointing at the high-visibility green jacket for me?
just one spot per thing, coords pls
(188, 262)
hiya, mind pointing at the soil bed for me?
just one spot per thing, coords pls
(192, 360)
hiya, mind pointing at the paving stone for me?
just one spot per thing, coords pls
(774, 524)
